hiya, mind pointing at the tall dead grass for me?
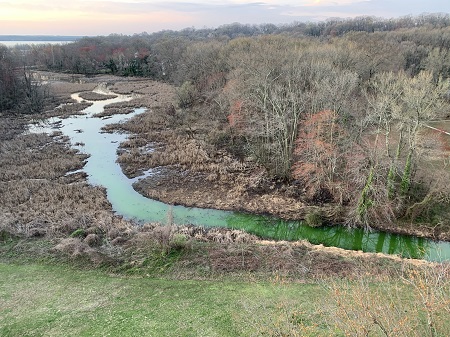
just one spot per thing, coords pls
(37, 156)
(190, 154)
(156, 90)
(11, 127)
(415, 303)
(94, 96)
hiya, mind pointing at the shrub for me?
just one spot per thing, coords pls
(314, 219)
(178, 241)
(78, 233)
(5, 235)
(186, 95)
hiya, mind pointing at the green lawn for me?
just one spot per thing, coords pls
(54, 300)
(42, 300)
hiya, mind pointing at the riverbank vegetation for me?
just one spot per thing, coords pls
(326, 121)
(283, 120)
(20, 90)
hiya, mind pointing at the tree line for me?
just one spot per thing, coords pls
(159, 55)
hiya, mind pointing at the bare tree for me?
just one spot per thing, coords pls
(407, 103)
(34, 93)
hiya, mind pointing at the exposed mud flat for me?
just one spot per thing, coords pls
(197, 189)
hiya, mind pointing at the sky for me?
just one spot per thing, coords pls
(101, 17)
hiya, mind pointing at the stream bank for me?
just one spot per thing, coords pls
(102, 170)
(192, 168)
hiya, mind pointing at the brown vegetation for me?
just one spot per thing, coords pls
(281, 124)
(413, 302)
(94, 96)
(43, 201)
(377, 308)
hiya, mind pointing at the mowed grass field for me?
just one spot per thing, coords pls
(42, 300)
(56, 300)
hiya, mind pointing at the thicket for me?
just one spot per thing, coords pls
(336, 107)
(20, 90)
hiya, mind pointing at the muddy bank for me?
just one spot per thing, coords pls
(173, 185)
(192, 189)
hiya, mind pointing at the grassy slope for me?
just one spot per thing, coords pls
(37, 300)
(56, 300)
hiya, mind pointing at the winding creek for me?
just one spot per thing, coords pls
(102, 169)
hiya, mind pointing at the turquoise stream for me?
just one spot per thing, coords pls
(103, 170)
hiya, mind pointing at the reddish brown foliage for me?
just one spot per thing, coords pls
(119, 50)
(445, 142)
(212, 81)
(235, 118)
(142, 53)
(317, 152)
(87, 49)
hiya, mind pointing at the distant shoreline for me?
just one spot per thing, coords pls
(39, 38)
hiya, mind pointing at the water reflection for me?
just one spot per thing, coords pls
(343, 237)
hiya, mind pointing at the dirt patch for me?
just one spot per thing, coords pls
(173, 185)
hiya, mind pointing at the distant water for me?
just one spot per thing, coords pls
(20, 43)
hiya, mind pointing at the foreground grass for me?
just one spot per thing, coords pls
(56, 300)
(37, 300)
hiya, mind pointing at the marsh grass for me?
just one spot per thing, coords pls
(11, 127)
(37, 196)
(68, 109)
(94, 96)
(37, 156)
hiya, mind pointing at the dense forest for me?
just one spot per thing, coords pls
(335, 108)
